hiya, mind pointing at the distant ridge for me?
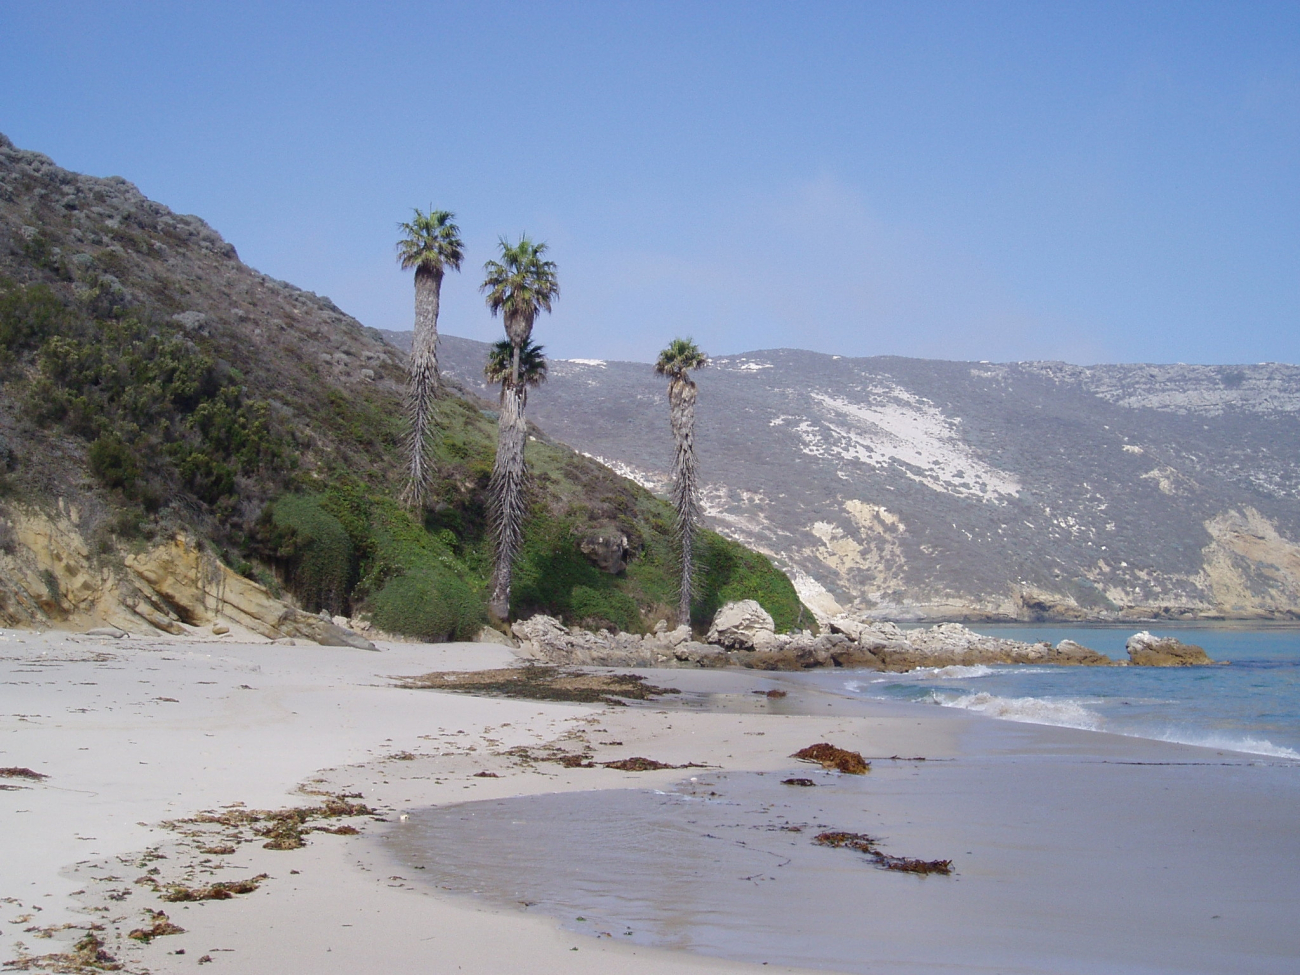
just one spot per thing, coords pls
(930, 489)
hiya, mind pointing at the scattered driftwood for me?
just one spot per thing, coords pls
(539, 683)
(161, 925)
(806, 783)
(828, 756)
(14, 772)
(222, 890)
(865, 844)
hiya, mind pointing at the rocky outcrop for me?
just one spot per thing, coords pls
(607, 550)
(743, 625)
(50, 577)
(1146, 650)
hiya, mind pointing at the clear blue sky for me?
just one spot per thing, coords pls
(1086, 181)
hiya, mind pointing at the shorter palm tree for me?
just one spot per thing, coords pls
(516, 368)
(676, 362)
(431, 245)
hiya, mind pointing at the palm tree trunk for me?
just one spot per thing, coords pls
(506, 494)
(422, 384)
(681, 413)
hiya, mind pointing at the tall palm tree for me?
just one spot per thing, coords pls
(675, 362)
(518, 286)
(432, 245)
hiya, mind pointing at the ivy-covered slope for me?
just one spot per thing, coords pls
(159, 384)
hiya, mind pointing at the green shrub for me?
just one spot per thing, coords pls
(731, 572)
(429, 604)
(608, 608)
(314, 550)
(113, 462)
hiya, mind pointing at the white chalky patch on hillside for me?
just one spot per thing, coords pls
(904, 430)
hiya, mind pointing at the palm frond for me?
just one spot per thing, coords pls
(432, 242)
(522, 282)
(500, 364)
(681, 356)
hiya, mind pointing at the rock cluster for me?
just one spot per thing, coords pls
(1145, 650)
(743, 635)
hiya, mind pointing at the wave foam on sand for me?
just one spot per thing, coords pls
(1072, 713)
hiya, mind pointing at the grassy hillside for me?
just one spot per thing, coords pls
(150, 377)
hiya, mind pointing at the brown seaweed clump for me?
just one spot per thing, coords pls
(774, 694)
(14, 772)
(161, 925)
(865, 844)
(87, 955)
(828, 756)
(222, 890)
(539, 683)
(639, 764)
(806, 783)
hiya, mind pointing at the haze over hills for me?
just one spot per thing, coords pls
(934, 489)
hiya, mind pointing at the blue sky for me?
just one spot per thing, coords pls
(1092, 182)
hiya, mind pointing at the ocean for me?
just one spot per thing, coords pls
(1252, 704)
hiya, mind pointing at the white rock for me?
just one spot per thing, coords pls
(737, 625)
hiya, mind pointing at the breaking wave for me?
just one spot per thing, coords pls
(1064, 712)
(1222, 742)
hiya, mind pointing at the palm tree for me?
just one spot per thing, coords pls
(431, 245)
(519, 285)
(681, 356)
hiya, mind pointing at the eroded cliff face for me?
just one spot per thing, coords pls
(51, 577)
(927, 490)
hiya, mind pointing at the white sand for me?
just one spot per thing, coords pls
(87, 712)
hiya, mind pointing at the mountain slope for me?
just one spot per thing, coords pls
(932, 489)
(154, 386)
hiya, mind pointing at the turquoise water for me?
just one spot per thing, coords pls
(1250, 705)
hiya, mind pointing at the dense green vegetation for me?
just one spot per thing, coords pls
(179, 428)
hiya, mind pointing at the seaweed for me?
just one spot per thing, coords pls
(865, 844)
(161, 925)
(541, 683)
(828, 756)
(773, 694)
(87, 955)
(638, 764)
(222, 890)
(806, 783)
(14, 772)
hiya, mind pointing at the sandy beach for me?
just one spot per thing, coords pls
(1073, 851)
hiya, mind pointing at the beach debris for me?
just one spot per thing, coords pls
(638, 764)
(486, 775)
(160, 925)
(542, 683)
(773, 694)
(806, 783)
(839, 759)
(14, 772)
(281, 829)
(865, 844)
(87, 955)
(222, 890)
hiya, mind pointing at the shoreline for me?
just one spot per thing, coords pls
(301, 710)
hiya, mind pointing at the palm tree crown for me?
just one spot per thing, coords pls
(500, 365)
(432, 243)
(519, 285)
(681, 356)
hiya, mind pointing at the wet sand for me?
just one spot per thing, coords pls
(1074, 851)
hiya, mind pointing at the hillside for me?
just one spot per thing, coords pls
(960, 490)
(183, 437)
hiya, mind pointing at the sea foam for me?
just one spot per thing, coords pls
(1062, 712)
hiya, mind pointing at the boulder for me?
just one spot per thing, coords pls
(1146, 650)
(487, 634)
(1069, 652)
(737, 626)
(605, 550)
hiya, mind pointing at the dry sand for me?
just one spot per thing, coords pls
(135, 732)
